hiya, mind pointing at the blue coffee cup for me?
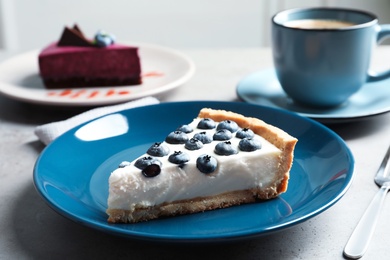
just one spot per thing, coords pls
(322, 55)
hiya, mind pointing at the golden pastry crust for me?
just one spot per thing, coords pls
(282, 140)
(183, 207)
(276, 136)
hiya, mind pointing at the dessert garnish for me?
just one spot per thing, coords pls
(206, 164)
(158, 149)
(225, 148)
(103, 39)
(176, 137)
(222, 135)
(245, 133)
(75, 37)
(249, 144)
(229, 125)
(151, 170)
(193, 144)
(204, 137)
(185, 128)
(179, 157)
(143, 162)
(206, 123)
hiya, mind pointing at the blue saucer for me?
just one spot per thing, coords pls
(263, 88)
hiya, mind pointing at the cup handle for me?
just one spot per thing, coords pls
(382, 33)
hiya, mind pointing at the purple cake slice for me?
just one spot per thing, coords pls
(75, 62)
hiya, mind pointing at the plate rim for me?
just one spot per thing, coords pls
(7, 88)
(194, 239)
(323, 118)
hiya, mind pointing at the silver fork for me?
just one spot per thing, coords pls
(360, 238)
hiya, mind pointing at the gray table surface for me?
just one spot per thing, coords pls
(32, 230)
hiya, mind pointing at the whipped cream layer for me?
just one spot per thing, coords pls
(129, 188)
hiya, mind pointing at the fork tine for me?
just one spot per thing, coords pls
(384, 168)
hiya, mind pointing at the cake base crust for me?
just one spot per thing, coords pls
(82, 82)
(189, 206)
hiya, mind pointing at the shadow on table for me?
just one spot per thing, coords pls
(353, 130)
(35, 114)
(41, 233)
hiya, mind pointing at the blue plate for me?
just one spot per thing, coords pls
(72, 173)
(263, 88)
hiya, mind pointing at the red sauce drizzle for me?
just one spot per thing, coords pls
(110, 92)
(124, 92)
(87, 93)
(66, 92)
(153, 74)
(93, 94)
(78, 93)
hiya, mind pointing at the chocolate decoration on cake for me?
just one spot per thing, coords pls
(74, 37)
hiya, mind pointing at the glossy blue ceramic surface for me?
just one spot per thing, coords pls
(324, 67)
(263, 88)
(72, 174)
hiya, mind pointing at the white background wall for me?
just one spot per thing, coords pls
(30, 24)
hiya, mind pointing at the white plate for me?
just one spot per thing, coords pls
(163, 69)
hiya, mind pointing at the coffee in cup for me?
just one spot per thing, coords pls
(322, 55)
(317, 24)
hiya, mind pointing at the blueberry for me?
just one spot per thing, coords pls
(206, 164)
(176, 137)
(158, 149)
(245, 133)
(206, 123)
(124, 164)
(229, 125)
(193, 144)
(249, 144)
(178, 157)
(143, 162)
(151, 170)
(185, 129)
(103, 39)
(222, 135)
(204, 137)
(225, 148)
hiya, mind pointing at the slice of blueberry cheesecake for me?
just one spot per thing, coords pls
(220, 159)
